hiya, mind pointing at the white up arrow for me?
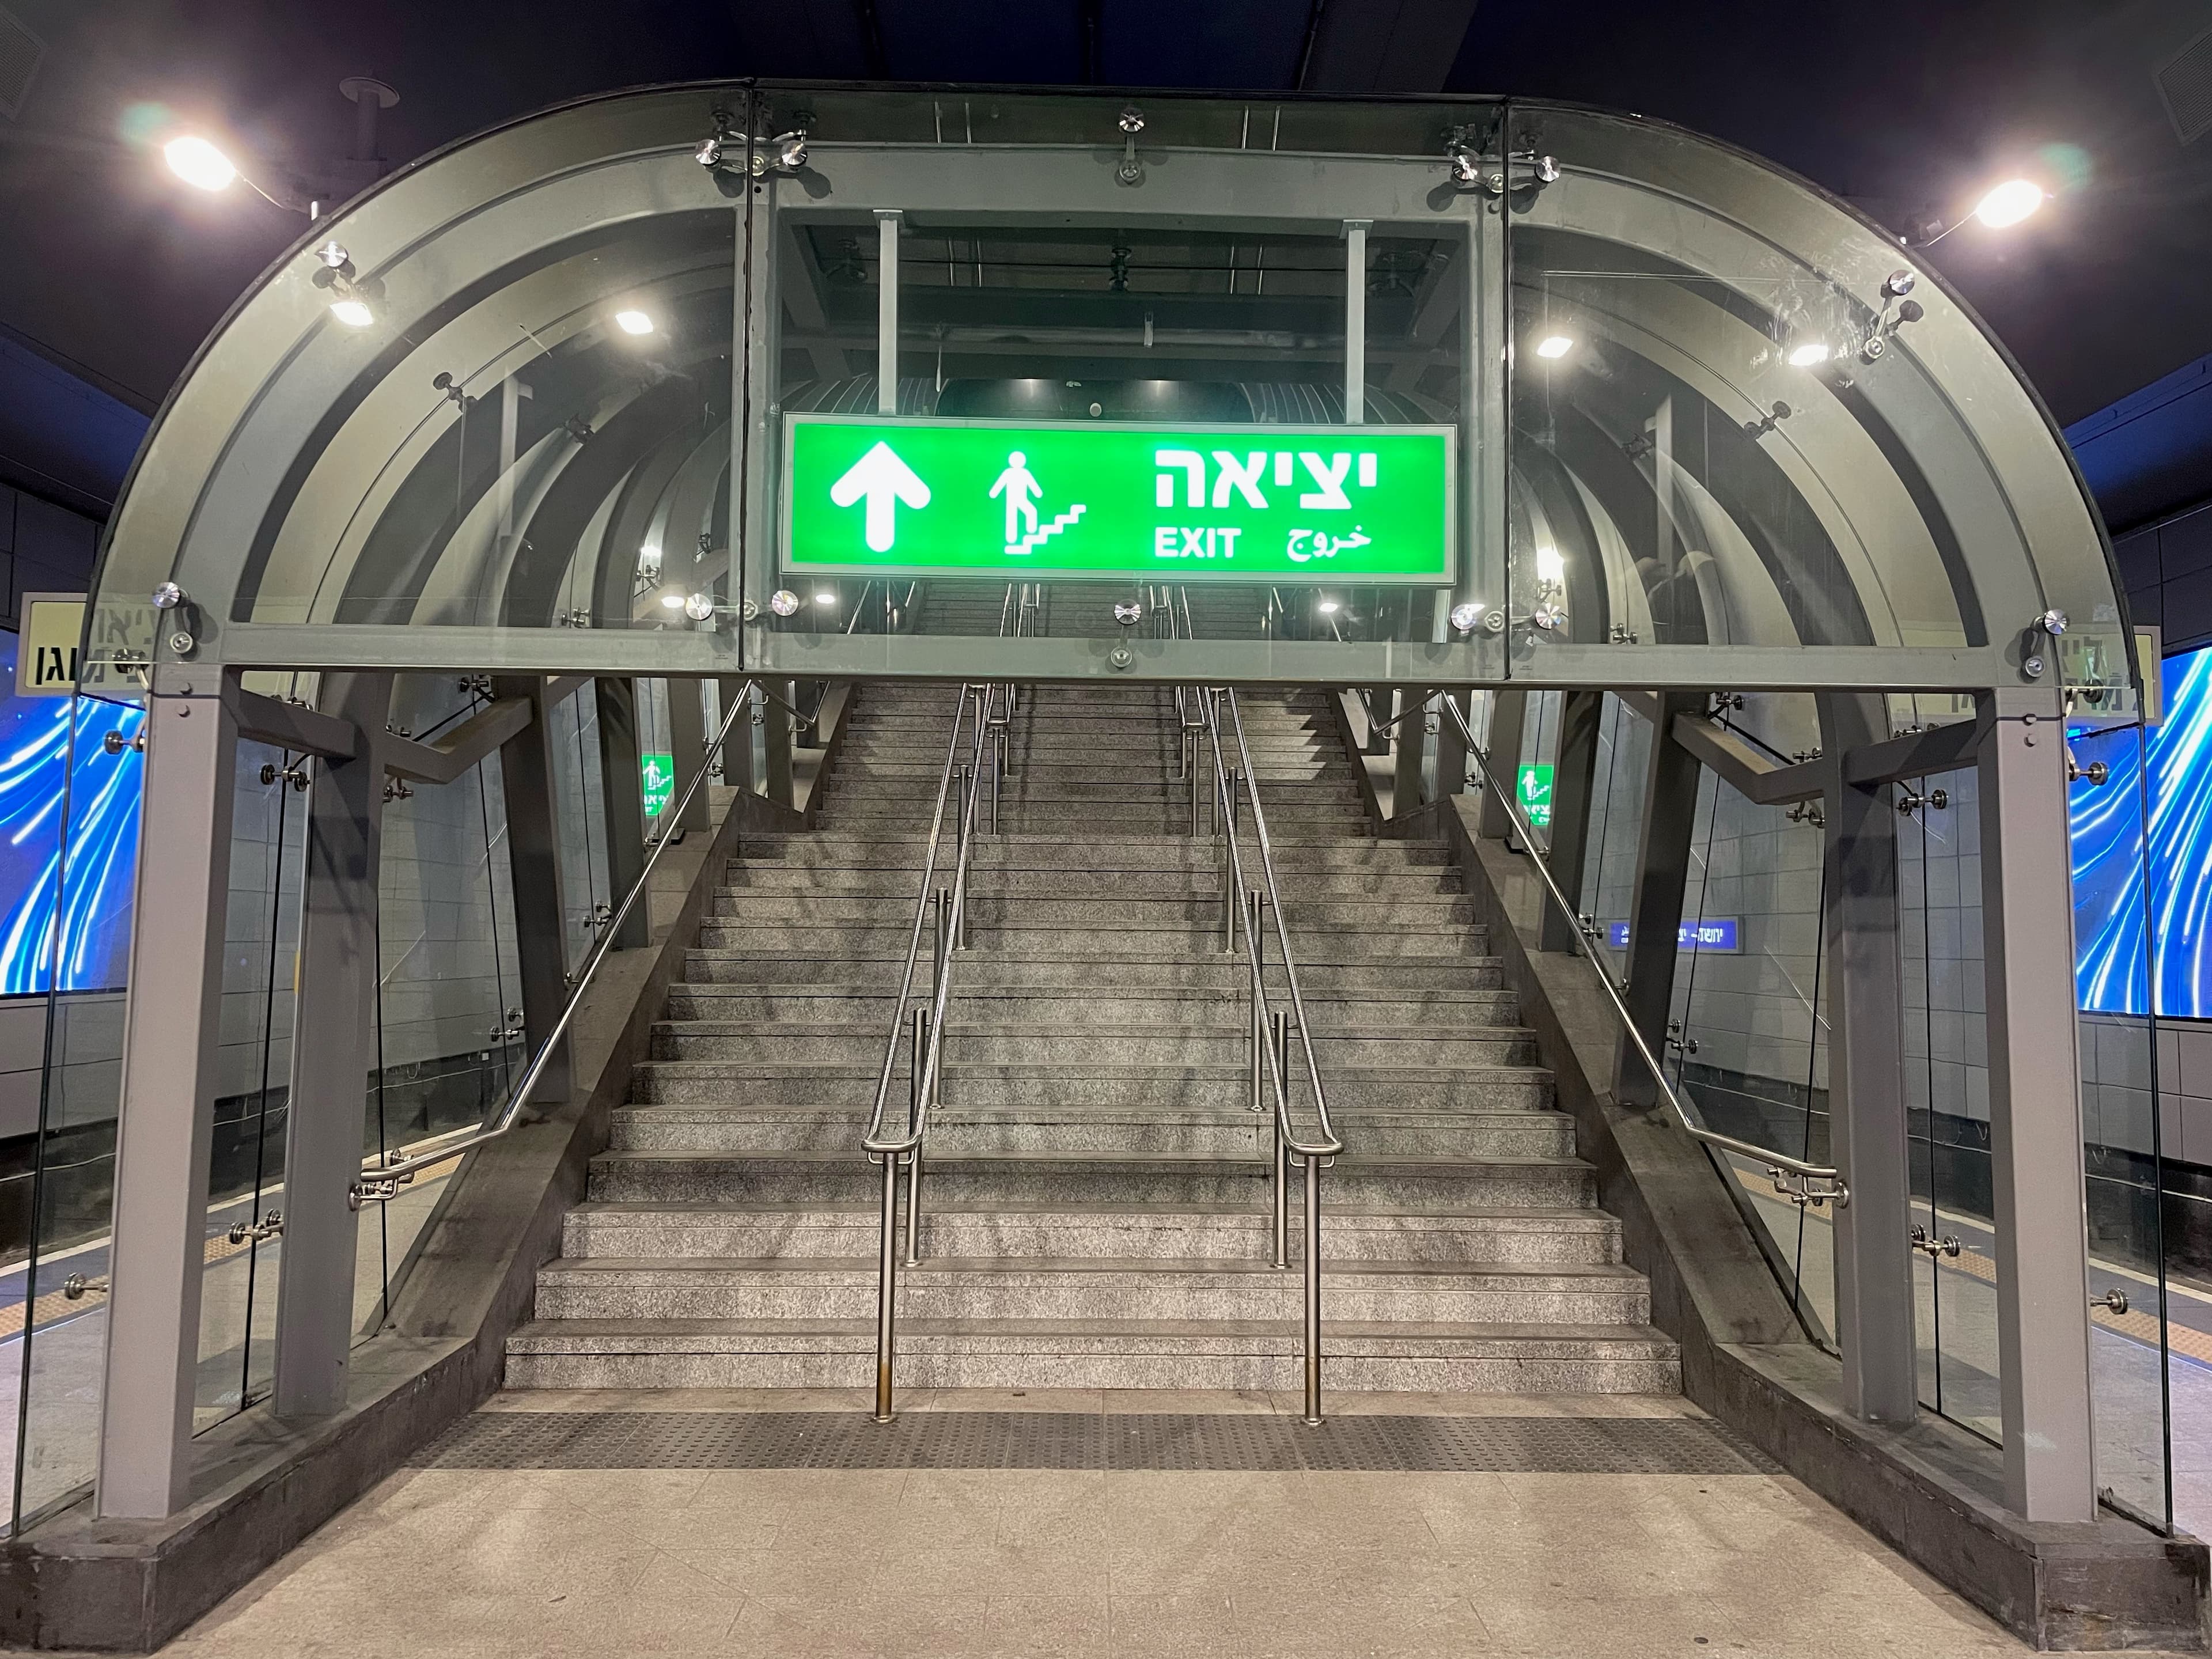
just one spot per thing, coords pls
(886, 480)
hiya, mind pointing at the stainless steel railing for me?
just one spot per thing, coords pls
(1794, 1179)
(923, 1029)
(1271, 1029)
(380, 1184)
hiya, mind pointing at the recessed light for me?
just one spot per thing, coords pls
(1555, 345)
(1809, 354)
(199, 163)
(2009, 203)
(632, 322)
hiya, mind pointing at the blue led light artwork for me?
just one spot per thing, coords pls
(91, 911)
(2114, 967)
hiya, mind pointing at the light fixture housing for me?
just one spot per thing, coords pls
(1555, 346)
(1810, 355)
(634, 322)
(783, 602)
(2009, 203)
(199, 163)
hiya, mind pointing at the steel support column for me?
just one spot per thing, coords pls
(618, 777)
(334, 1015)
(1451, 749)
(738, 747)
(171, 1031)
(1574, 791)
(1355, 320)
(1654, 915)
(2035, 1109)
(686, 742)
(533, 863)
(1864, 974)
(887, 309)
(1411, 736)
(1508, 713)
(775, 738)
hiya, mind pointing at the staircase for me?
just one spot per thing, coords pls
(1095, 1202)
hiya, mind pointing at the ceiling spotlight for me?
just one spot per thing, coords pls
(699, 606)
(1551, 565)
(1465, 617)
(1555, 345)
(673, 601)
(632, 322)
(1806, 355)
(1328, 607)
(199, 163)
(354, 312)
(826, 596)
(2009, 203)
(783, 602)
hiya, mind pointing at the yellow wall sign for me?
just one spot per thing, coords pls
(45, 652)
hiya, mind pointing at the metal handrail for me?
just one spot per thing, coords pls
(381, 1182)
(1330, 1143)
(1795, 1179)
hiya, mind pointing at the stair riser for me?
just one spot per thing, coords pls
(1107, 1296)
(1164, 944)
(1107, 1048)
(853, 1088)
(925, 1367)
(621, 1181)
(767, 1236)
(1219, 972)
(1173, 851)
(746, 886)
(1108, 911)
(660, 1130)
(974, 1007)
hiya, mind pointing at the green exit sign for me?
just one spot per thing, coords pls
(656, 777)
(1535, 792)
(1028, 499)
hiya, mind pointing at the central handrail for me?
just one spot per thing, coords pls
(1329, 1143)
(1795, 1179)
(382, 1183)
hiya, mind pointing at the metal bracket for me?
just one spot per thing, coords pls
(1934, 1248)
(270, 1225)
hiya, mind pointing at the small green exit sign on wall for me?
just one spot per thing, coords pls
(1025, 500)
(1534, 789)
(656, 782)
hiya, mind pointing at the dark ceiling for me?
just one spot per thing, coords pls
(110, 268)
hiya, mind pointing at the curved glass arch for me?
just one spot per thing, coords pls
(1692, 415)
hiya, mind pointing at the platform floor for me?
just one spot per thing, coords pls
(1125, 1524)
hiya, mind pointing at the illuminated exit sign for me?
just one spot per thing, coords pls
(1023, 500)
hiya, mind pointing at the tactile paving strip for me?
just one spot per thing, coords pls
(1068, 1440)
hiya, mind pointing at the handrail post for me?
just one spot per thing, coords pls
(1259, 1001)
(1282, 1037)
(919, 1075)
(1313, 1290)
(886, 1282)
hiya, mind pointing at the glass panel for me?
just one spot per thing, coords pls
(1614, 847)
(580, 810)
(2121, 1125)
(1947, 1049)
(1750, 1026)
(68, 957)
(253, 1070)
(1727, 428)
(449, 1017)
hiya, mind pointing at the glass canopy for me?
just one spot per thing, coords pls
(528, 405)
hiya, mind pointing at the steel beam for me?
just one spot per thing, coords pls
(887, 309)
(775, 738)
(334, 1050)
(171, 1031)
(1865, 979)
(2035, 1109)
(1574, 792)
(686, 742)
(533, 862)
(1508, 713)
(618, 779)
(738, 747)
(1411, 735)
(1654, 915)
(1451, 749)
(1355, 321)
